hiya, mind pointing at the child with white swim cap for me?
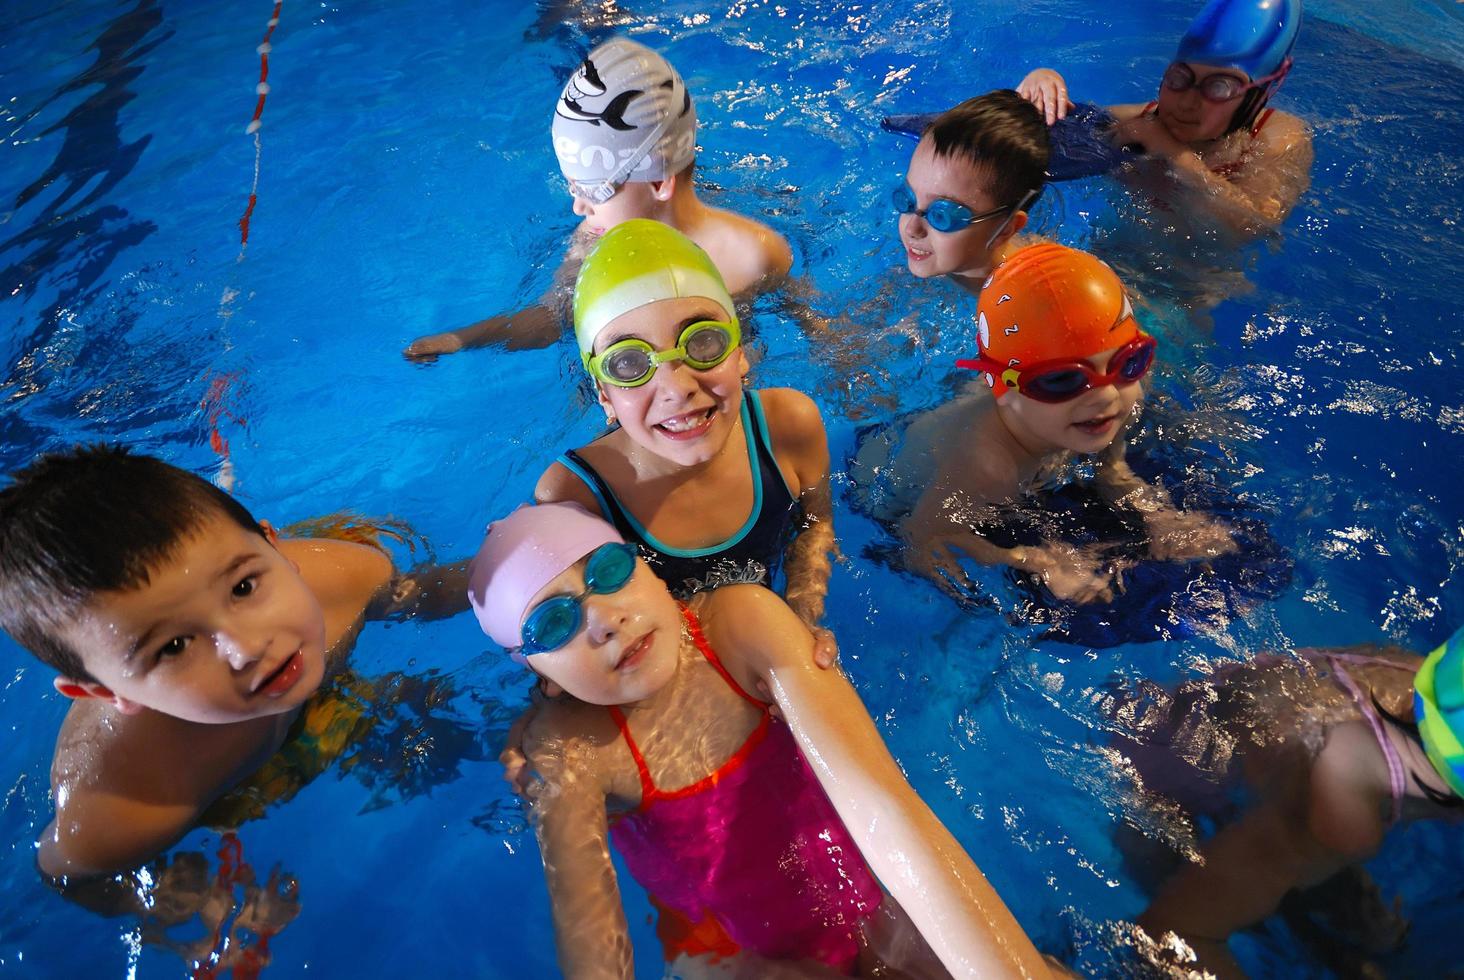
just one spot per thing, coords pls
(1211, 120)
(750, 855)
(715, 483)
(624, 136)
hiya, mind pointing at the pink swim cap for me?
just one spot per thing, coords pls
(524, 552)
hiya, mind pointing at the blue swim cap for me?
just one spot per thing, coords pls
(1255, 36)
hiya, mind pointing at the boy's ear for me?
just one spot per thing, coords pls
(269, 532)
(662, 190)
(1009, 228)
(77, 690)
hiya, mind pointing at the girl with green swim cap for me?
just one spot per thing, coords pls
(714, 484)
(1334, 748)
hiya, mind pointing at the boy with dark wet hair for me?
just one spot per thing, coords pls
(976, 171)
(188, 634)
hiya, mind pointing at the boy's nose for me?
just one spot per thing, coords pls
(581, 206)
(918, 227)
(238, 648)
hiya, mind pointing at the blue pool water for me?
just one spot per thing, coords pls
(405, 184)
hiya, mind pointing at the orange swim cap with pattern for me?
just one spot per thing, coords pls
(1048, 302)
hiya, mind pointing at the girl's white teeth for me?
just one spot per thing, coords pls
(683, 423)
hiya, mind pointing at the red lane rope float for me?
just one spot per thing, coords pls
(254, 123)
(213, 406)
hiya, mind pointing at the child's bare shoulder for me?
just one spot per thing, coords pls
(566, 734)
(748, 252)
(339, 572)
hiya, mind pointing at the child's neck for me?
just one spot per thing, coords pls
(1027, 450)
(685, 212)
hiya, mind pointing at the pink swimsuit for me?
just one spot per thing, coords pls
(756, 847)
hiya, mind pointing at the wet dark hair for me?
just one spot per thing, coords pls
(1410, 727)
(1001, 134)
(94, 519)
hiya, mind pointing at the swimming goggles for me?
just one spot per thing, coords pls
(944, 215)
(554, 622)
(1063, 380)
(600, 191)
(1220, 87)
(631, 362)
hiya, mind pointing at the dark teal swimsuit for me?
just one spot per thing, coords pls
(753, 554)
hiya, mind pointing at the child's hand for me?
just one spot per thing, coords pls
(515, 763)
(1183, 536)
(425, 350)
(1070, 574)
(1046, 90)
(1147, 131)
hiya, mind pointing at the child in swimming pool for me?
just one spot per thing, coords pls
(188, 635)
(976, 171)
(1211, 121)
(1334, 748)
(1061, 358)
(745, 849)
(624, 134)
(714, 483)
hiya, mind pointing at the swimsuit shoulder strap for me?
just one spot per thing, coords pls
(610, 506)
(697, 637)
(762, 444)
(1396, 782)
(1261, 122)
(648, 786)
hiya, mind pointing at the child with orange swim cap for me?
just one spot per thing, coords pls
(1061, 359)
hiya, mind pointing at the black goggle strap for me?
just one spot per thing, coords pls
(1017, 208)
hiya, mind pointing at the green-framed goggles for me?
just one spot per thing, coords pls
(631, 362)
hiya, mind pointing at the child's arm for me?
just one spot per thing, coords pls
(425, 592)
(531, 328)
(915, 857)
(1174, 535)
(98, 833)
(590, 931)
(799, 439)
(937, 534)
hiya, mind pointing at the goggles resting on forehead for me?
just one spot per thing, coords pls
(632, 362)
(554, 622)
(1064, 379)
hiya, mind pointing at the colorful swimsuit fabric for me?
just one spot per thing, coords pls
(754, 853)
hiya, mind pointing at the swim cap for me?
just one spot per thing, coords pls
(1438, 708)
(524, 552)
(638, 262)
(1050, 302)
(1253, 35)
(625, 115)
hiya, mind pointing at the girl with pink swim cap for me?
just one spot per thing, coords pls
(749, 854)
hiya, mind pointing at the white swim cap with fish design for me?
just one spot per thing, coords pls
(624, 115)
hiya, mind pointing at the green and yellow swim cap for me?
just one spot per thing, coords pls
(635, 263)
(1438, 708)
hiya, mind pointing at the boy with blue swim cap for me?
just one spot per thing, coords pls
(624, 136)
(1211, 121)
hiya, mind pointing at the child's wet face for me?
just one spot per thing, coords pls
(929, 252)
(634, 199)
(1191, 118)
(1087, 424)
(682, 415)
(628, 644)
(224, 631)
